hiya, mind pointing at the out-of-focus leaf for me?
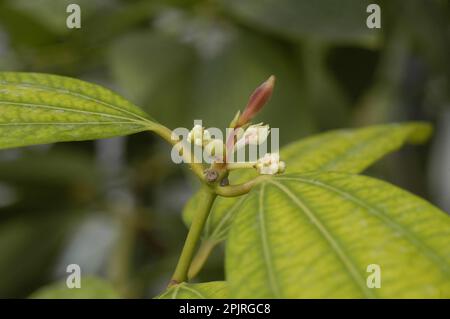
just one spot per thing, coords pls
(329, 20)
(381, 102)
(50, 179)
(8, 58)
(323, 94)
(21, 29)
(155, 70)
(116, 19)
(314, 236)
(41, 108)
(29, 246)
(52, 13)
(91, 288)
(50, 168)
(208, 290)
(420, 19)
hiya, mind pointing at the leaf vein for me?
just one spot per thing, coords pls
(59, 108)
(265, 246)
(339, 251)
(76, 94)
(379, 213)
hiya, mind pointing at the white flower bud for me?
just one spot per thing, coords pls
(253, 135)
(270, 164)
(281, 167)
(215, 148)
(199, 136)
(206, 136)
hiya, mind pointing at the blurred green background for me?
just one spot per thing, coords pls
(113, 206)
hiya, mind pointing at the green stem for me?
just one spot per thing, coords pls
(193, 162)
(239, 189)
(195, 231)
(232, 166)
(200, 258)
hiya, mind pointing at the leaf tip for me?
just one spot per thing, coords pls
(420, 132)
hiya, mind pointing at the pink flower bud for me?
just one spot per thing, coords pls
(257, 100)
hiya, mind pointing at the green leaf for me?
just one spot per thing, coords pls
(314, 235)
(41, 108)
(348, 150)
(91, 288)
(329, 20)
(351, 150)
(208, 290)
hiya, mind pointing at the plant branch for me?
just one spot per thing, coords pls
(242, 165)
(200, 257)
(195, 231)
(239, 189)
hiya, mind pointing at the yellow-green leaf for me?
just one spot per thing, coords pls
(313, 235)
(351, 150)
(208, 290)
(41, 108)
(347, 150)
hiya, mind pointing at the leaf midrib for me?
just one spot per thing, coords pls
(75, 94)
(265, 245)
(346, 260)
(65, 123)
(66, 109)
(378, 213)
